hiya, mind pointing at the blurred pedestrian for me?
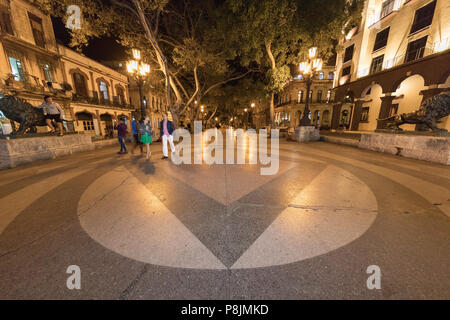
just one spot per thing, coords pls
(167, 128)
(121, 134)
(146, 131)
(136, 134)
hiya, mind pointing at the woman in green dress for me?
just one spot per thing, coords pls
(146, 135)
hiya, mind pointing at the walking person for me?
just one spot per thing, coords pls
(136, 134)
(167, 128)
(121, 134)
(146, 135)
(52, 111)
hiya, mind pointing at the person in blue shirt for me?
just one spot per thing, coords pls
(137, 139)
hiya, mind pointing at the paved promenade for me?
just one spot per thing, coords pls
(155, 230)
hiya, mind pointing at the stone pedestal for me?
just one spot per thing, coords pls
(306, 134)
(15, 152)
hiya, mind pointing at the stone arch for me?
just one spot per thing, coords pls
(368, 89)
(409, 97)
(396, 84)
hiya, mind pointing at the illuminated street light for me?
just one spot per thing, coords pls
(136, 54)
(308, 69)
(253, 105)
(140, 71)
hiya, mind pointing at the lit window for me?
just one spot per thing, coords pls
(103, 90)
(16, 69)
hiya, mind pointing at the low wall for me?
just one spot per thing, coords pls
(428, 148)
(14, 152)
(339, 140)
(106, 143)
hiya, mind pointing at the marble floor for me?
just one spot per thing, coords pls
(142, 229)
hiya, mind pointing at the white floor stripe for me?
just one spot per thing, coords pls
(433, 193)
(335, 209)
(124, 216)
(13, 204)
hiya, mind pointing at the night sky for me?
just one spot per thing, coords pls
(103, 49)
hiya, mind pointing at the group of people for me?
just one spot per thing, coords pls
(143, 135)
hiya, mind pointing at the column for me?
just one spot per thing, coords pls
(91, 74)
(385, 108)
(335, 118)
(356, 115)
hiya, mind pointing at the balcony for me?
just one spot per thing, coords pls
(438, 46)
(93, 99)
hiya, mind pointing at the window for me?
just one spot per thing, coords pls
(377, 64)
(331, 76)
(16, 68)
(365, 114)
(319, 96)
(386, 8)
(5, 21)
(416, 49)
(38, 30)
(46, 69)
(393, 110)
(80, 84)
(121, 96)
(381, 39)
(103, 90)
(423, 17)
(300, 96)
(346, 71)
(321, 75)
(349, 53)
(329, 95)
(88, 125)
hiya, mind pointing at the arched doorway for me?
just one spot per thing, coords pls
(326, 119)
(316, 118)
(345, 118)
(107, 125)
(408, 97)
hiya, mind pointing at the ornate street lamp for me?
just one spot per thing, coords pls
(308, 69)
(139, 70)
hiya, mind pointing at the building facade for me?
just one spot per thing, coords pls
(290, 103)
(398, 57)
(33, 64)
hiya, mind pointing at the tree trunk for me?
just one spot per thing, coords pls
(268, 46)
(162, 60)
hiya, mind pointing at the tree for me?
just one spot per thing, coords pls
(275, 34)
(178, 37)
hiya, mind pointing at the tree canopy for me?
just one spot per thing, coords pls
(200, 49)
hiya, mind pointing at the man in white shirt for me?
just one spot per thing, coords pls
(52, 111)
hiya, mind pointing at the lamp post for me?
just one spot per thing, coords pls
(308, 69)
(139, 70)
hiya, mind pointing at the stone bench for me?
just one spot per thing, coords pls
(14, 152)
(428, 148)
